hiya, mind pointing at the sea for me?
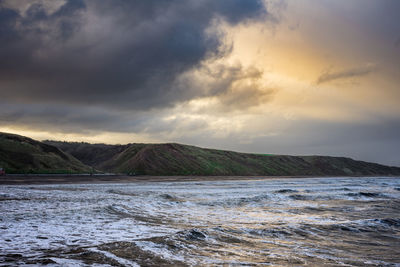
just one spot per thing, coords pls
(262, 222)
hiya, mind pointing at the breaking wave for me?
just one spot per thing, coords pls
(278, 222)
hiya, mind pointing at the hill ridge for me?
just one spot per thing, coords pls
(23, 154)
(179, 159)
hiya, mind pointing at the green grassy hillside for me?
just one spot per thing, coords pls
(90, 154)
(19, 154)
(177, 159)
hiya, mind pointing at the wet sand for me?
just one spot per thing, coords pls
(84, 179)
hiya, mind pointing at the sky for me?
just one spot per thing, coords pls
(304, 77)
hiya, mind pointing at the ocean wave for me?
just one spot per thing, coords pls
(248, 223)
(194, 234)
(119, 210)
(367, 195)
(122, 193)
(301, 197)
(366, 225)
(170, 197)
(343, 189)
(237, 202)
(130, 254)
(392, 222)
(270, 232)
(284, 191)
(315, 231)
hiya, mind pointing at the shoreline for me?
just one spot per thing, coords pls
(110, 179)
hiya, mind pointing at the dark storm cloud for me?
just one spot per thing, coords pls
(125, 54)
(345, 74)
(65, 118)
(86, 120)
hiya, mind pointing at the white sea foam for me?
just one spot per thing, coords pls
(297, 217)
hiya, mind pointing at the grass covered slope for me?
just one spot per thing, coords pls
(19, 154)
(177, 159)
(90, 154)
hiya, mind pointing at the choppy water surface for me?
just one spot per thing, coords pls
(320, 221)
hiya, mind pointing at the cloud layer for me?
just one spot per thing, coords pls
(292, 77)
(345, 74)
(124, 54)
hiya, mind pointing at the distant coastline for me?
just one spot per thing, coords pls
(42, 179)
(23, 155)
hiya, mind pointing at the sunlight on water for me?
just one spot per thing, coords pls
(320, 221)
